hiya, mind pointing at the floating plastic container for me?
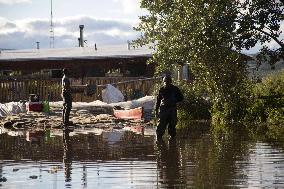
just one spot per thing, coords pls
(34, 106)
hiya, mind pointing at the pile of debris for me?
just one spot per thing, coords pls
(112, 112)
(97, 114)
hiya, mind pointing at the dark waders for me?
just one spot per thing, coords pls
(67, 105)
(168, 117)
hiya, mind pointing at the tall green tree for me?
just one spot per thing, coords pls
(203, 34)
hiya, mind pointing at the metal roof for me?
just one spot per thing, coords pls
(113, 51)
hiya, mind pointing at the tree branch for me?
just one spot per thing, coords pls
(271, 36)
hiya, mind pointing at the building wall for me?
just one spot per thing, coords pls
(131, 67)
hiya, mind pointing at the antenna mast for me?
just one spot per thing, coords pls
(51, 27)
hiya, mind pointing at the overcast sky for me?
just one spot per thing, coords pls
(23, 22)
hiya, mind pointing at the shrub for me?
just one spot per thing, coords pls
(265, 113)
(196, 104)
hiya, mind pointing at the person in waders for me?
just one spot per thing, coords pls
(166, 108)
(67, 98)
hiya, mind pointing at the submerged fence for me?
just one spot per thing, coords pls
(50, 89)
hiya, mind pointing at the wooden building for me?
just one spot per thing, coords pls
(105, 61)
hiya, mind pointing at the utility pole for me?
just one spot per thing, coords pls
(37, 45)
(51, 27)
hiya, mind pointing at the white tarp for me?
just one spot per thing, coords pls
(79, 105)
(112, 95)
(146, 102)
(12, 108)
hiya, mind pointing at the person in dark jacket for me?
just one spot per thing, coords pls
(166, 107)
(67, 97)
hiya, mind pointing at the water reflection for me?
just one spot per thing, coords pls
(168, 163)
(128, 159)
(67, 155)
(264, 167)
(35, 137)
(84, 177)
(1, 173)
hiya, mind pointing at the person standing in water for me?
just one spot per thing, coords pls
(166, 108)
(67, 97)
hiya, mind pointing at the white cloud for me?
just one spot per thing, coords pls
(3, 21)
(116, 32)
(12, 2)
(20, 34)
(129, 6)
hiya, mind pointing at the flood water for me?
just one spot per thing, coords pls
(127, 159)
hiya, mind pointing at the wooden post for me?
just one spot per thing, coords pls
(180, 73)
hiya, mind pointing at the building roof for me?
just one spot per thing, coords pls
(102, 52)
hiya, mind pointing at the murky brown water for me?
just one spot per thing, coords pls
(124, 159)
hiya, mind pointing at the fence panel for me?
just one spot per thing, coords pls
(50, 89)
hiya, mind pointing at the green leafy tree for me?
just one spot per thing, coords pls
(200, 33)
(259, 21)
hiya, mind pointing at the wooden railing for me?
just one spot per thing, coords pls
(19, 89)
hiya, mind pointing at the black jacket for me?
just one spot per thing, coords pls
(168, 97)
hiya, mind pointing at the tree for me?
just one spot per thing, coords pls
(259, 21)
(200, 33)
